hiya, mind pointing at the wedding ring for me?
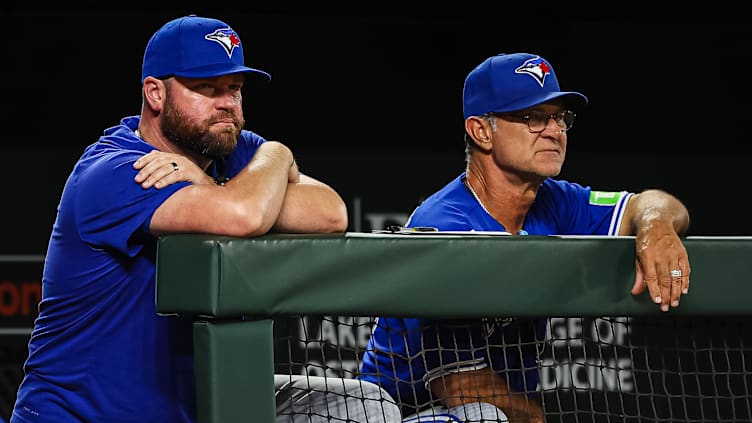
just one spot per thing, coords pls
(175, 168)
(676, 273)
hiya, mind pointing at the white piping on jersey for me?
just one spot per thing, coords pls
(472, 191)
(618, 214)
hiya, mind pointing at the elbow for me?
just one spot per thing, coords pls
(678, 210)
(339, 220)
(248, 222)
(682, 223)
(252, 229)
(330, 219)
(656, 205)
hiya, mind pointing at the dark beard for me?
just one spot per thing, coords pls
(197, 137)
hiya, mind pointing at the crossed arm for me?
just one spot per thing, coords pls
(269, 194)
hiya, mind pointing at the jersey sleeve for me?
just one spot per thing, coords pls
(449, 209)
(444, 217)
(112, 210)
(580, 210)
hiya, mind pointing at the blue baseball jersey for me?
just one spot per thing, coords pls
(99, 352)
(404, 354)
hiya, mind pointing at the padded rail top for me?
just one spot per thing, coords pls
(437, 275)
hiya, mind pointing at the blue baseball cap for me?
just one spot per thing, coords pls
(195, 47)
(511, 82)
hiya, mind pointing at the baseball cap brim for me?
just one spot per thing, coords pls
(573, 100)
(211, 71)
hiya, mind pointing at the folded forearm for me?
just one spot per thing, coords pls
(311, 208)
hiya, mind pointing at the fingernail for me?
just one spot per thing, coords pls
(657, 300)
(664, 307)
(675, 304)
(685, 290)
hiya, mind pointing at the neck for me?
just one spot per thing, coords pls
(504, 203)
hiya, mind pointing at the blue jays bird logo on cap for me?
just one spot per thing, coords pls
(225, 37)
(535, 67)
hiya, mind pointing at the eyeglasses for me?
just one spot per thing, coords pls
(537, 121)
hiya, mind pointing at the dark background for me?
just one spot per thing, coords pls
(369, 99)
(390, 78)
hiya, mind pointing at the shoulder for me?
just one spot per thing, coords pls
(562, 187)
(593, 197)
(108, 163)
(252, 138)
(447, 209)
(112, 155)
(248, 143)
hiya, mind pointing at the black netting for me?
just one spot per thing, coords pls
(605, 369)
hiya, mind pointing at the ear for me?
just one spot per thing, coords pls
(479, 130)
(154, 93)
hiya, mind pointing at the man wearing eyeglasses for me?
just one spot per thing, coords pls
(516, 123)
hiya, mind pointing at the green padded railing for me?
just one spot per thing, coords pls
(224, 278)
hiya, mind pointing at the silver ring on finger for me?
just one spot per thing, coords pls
(175, 168)
(676, 273)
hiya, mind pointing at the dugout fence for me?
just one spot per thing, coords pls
(303, 304)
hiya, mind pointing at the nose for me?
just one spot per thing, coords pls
(228, 99)
(553, 125)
